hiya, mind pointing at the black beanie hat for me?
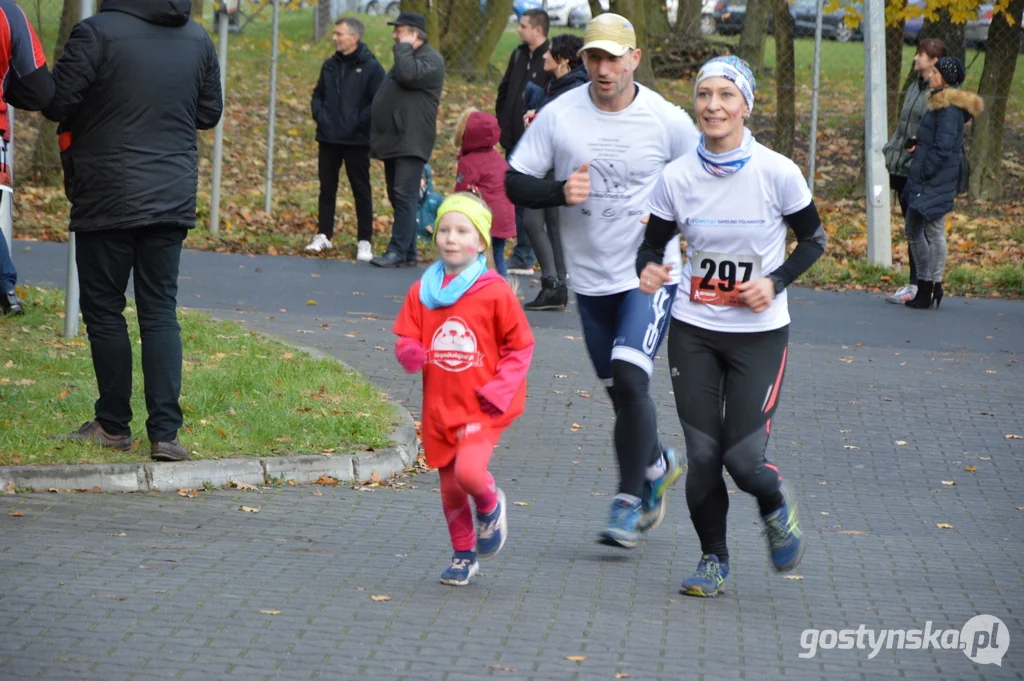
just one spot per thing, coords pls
(952, 70)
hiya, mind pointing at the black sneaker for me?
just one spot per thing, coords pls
(168, 451)
(554, 295)
(92, 431)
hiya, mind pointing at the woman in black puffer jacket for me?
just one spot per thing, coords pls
(934, 172)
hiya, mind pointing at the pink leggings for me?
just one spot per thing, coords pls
(467, 476)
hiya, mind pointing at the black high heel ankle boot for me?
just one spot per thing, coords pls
(937, 294)
(923, 299)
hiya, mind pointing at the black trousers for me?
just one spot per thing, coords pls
(727, 388)
(357, 166)
(403, 175)
(105, 261)
(897, 183)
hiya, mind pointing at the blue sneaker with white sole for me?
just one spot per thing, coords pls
(464, 566)
(782, 533)
(622, 524)
(653, 499)
(492, 529)
(707, 580)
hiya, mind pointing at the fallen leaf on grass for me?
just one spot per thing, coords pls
(190, 493)
(62, 394)
(25, 382)
(248, 509)
(576, 658)
(501, 668)
(271, 612)
(520, 503)
(17, 514)
(375, 476)
(325, 480)
(949, 483)
(287, 355)
(944, 526)
(970, 469)
(793, 577)
(380, 597)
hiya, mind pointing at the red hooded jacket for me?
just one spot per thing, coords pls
(481, 166)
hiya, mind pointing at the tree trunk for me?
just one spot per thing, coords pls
(595, 7)
(688, 17)
(785, 81)
(893, 69)
(44, 167)
(634, 11)
(324, 20)
(656, 14)
(755, 30)
(986, 153)
(429, 10)
(469, 36)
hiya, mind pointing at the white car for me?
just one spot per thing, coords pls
(580, 14)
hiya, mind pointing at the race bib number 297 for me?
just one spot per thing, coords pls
(716, 275)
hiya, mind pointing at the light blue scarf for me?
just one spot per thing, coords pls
(434, 296)
(721, 165)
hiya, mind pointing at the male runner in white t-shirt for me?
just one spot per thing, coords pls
(607, 144)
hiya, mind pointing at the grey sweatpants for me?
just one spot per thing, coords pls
(927, 241)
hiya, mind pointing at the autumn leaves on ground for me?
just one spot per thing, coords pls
(985, 240)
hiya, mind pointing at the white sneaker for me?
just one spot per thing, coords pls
(364, 252)
(521, 271)
(319, 243)
(902, 295)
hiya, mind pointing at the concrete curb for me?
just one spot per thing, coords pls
(154, 476)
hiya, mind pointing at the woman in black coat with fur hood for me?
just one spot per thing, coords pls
(934, 174)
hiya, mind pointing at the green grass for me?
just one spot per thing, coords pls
(243, 395)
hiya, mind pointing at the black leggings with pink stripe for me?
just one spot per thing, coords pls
(726, 387)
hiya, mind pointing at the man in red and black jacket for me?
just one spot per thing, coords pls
(26, 84)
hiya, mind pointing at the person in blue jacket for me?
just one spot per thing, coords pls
(935, 174)
(430, 201)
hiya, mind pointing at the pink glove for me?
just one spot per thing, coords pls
(487, 407)
(411, 354)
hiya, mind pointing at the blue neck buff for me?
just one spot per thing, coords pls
(728, 163)
(433, 295)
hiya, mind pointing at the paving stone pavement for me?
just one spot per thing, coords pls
(880, 406)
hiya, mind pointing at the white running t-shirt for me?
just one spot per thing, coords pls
(734, 231)
(627, 151)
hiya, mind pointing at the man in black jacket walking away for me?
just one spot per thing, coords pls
(341, 108)
(403, 129)
(134, 83)
(525, 65)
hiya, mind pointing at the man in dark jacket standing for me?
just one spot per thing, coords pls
(525, 65)
(341, 108)
(25, 82)
(403, 128)
(134, 83)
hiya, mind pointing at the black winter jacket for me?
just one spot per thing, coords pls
(343, 96)
(931, 185)
(404, 113)
(523, 68)
(134, 83)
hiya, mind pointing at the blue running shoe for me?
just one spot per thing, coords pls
(653, 499)
(622, 525)
(706, 581)
(491, 530)
(782, 532)
(464, 565)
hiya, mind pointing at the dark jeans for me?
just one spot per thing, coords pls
(8, 275)
(357, 167)
(522, 254)
(105, 260)
(498, 251)
(897, 183)
(403, 179)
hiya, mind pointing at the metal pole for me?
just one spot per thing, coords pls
(876, 132)
(814, 97)
(218, 132)
(273, 109)
(71, 287)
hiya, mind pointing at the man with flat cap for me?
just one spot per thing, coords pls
(403, 127)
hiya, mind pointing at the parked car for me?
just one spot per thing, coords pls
(581, 14)
(391, 8)
(833, 24)
(975, 31)
(729, 16)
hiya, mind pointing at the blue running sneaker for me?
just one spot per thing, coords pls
(653, 499)
(707, 580)
(782, 532)
(492, 529)
(464, 565)
(622, 525)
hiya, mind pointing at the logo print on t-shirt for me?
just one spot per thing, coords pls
(454, 347)
(611, 175)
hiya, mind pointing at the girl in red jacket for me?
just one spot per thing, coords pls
(481, 170)
(463, 326)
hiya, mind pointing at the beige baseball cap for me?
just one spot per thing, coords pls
(609, 32)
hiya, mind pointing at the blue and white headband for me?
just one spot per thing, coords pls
(733, 69)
